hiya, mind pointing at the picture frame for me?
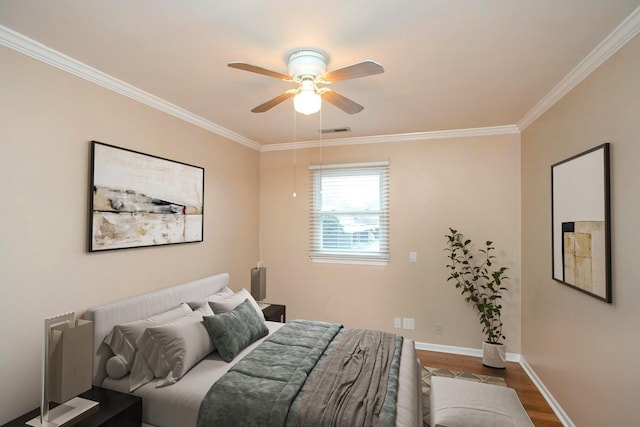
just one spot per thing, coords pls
(139, 200)
(581, 222)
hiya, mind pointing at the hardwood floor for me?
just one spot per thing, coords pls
(534, 403)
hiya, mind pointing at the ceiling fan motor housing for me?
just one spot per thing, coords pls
(308, 67)
(307, 63)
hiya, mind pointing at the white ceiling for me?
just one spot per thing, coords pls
(449, 64)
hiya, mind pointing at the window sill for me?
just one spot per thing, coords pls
(353, 261)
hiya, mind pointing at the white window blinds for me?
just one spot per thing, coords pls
(349, 220)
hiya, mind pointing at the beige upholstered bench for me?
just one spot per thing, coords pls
(461, 403)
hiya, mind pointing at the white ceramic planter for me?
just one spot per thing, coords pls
(494, 355)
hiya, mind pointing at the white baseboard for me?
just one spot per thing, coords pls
(465, 351)
(511, 357)
(560, 413)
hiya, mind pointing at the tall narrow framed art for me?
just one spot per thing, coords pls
(581, 222)
(138, 199)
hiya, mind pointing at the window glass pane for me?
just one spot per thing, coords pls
(360, 232)
(352, 193)
(349, 213)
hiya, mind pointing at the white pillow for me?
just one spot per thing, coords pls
(203, 310)
(170, 350)
(194, 305)
(122, 338)
(218, 296)
(221, 294)
(253, 302)
(227, 304)
(116, 367)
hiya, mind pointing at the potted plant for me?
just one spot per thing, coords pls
(481, 283)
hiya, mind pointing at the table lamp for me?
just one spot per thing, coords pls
(66, 370)
(259, 283)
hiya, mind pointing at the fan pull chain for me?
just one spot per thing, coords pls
(294, 153)
(321, 134)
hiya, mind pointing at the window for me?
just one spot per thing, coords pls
(350, 213)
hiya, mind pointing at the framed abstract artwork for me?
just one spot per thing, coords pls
(137, 200)
(581, 222)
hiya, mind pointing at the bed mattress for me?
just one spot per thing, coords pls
(177, 405)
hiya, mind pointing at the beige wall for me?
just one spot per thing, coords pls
(472, 184)
(47, 118)
(584, 350)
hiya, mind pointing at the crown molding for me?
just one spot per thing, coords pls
(41, 52)
(402, 137)
(622, 34)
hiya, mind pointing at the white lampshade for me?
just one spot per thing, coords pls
(67, 370)
(307, 101)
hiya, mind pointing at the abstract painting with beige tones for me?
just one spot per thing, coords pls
(143, 200)
(584, 255)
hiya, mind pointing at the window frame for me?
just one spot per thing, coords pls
(320, 254)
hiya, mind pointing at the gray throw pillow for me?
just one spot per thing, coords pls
(232, 332)
(229, 302)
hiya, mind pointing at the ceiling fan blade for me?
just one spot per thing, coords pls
(361, 69)
(275, 101)
(255, 69)
(340, 101)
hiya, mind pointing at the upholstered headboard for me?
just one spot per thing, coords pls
(106, 317)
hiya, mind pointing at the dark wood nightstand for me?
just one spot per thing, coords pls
(275, 313)
(114, 410)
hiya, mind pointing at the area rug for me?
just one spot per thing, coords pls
(428, 372)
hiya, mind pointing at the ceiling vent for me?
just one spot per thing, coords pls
(336, 130)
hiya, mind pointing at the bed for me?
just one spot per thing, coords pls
(177, 402)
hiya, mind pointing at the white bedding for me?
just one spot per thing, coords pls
(177, 405)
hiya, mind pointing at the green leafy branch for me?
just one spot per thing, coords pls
(480, 281)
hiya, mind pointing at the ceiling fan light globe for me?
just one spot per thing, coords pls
(307, 102)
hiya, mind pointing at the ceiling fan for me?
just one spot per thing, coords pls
(308, 68)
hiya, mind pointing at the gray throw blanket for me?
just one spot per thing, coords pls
(350, 386)
(269, 387)
(259, 389)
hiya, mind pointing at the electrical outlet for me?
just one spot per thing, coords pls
(397, 322)
(439, 328)
(413, 257)
(408, 323)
